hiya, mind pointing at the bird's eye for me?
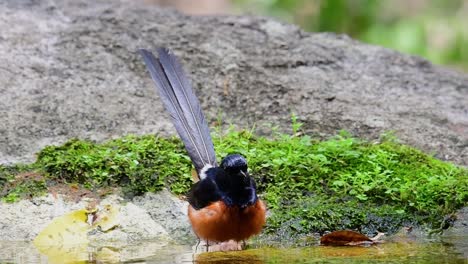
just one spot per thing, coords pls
(244, 169)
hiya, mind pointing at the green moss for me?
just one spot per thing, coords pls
(138, 164)
(20, 181)
(310, 186)
(346, 183)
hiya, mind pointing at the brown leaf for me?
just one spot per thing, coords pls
(344, 238)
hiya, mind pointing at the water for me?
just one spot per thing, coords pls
(447, 250)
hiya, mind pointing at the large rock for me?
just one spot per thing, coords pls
(70, 69)
(135, 220)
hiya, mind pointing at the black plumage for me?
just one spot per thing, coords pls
(229, 182)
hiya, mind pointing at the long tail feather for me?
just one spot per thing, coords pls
(183, 106)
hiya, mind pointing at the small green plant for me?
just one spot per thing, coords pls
(20, 181)
(295, 124)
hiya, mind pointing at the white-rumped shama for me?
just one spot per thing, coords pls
(223, 203)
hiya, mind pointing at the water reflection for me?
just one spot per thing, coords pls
(164, 252)
(153, 251)
(383, 253)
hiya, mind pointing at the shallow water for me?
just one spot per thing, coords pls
(447, 250)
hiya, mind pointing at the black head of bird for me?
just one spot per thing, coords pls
(235, 166)
(236, 186)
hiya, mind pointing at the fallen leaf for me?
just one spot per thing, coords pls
(65, 240)
(347, 238)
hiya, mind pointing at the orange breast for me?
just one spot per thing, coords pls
(218, 222)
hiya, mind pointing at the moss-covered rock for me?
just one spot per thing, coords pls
(309, 186)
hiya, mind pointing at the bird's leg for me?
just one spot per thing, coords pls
(244, 244)
(207, 245)
(198, 243)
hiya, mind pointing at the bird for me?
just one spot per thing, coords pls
(223, 203)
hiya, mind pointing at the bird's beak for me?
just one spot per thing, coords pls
(245, 174)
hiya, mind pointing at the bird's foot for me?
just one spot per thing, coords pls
(230, 245)
(210, 246)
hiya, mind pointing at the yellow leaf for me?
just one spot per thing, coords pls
(65, 240)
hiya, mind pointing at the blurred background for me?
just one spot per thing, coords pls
(434, 29)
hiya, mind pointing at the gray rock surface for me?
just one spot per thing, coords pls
(168, 211)
(457, 235)
(135, 221)
(70, 69)
(25, 219)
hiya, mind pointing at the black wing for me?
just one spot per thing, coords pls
(183, 106)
